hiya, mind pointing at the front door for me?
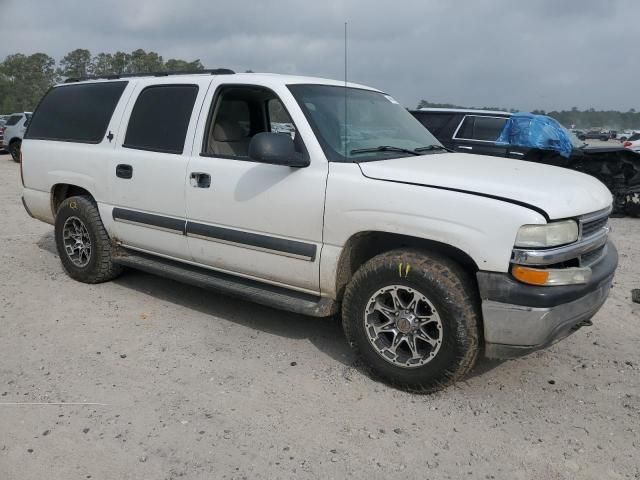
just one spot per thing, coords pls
(149, 168)
(252, 219)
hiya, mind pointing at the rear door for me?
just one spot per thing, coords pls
(478, 134)
(148, 170)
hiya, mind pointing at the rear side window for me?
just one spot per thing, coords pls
(487, 129)
(634, 137)
(76, 113)
(13, 120)
(160, 118)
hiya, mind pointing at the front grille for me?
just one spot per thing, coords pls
(592, 227)
(592, 257)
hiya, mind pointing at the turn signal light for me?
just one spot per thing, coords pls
(532, 276)
(552, 276)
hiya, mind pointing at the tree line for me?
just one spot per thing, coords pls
(574, 118)
(24, 79)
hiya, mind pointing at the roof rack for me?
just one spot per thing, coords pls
(115, 76)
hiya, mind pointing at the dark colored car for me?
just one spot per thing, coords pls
(476, 131)
(595, 135)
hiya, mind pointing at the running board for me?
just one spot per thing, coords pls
(245, 289)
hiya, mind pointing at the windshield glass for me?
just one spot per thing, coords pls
(376, 128)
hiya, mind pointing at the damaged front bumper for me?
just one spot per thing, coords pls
(519, 318)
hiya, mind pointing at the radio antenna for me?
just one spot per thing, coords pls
(345, 91)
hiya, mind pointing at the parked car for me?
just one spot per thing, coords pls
(624, 136)
(3, 121)
(13, 132)
(476, 131)
(595, 135)
(633, 143)
(430, 256)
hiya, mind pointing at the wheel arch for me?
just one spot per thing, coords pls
(363, 246)
(62, 191)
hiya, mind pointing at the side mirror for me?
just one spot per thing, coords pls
(276, 149)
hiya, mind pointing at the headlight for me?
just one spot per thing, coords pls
(549, 235)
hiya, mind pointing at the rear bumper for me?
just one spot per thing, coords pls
(519, 319)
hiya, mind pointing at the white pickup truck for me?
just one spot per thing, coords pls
(431, 257)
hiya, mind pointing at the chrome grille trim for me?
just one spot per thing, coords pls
(593, 232)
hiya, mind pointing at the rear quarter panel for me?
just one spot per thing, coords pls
(47, 163)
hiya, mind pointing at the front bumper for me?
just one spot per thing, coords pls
(519, 318)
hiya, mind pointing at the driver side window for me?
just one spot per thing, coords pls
(239, 113)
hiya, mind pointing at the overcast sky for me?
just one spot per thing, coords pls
(549, 54)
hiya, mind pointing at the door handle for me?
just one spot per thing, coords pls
(461, 147)
(200, 180)
(124, 171)
(517, 153)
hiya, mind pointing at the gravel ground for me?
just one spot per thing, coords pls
(160, 381)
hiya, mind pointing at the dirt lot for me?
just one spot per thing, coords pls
(160, 381)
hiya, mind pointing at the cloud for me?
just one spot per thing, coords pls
(534, 54)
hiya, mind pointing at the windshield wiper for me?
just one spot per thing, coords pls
(383, 148)
(430, 147)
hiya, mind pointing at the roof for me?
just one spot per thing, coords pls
(271, 78)
(463, 110)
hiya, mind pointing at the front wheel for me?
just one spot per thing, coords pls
(83, 243)
(14, 150)
(413, 317)
(632, 204)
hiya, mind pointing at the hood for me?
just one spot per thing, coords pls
(559, 192)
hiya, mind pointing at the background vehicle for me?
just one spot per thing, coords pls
(431, 256)
(595, 135)
(14, 131)
(476, 131)
(633, 142)
(624, 136)
(2, 123)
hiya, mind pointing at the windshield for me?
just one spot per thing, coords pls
(376, 127)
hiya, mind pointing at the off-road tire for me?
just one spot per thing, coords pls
(100, 267)
(452, 292)
(632, 204)
(14, 150)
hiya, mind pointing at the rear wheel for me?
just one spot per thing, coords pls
(14, 150)
(83, 243)
(632, 204)
(413, 317)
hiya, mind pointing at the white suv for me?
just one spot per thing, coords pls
(14, 130)
(430, 257)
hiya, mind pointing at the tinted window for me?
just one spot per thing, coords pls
(488, 128)
(76, 113)
(435, 122)
(466, 130)
(634, 137)
(14, 119)
(481, 128)
(160, 118)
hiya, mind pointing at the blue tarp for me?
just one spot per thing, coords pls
(536, 131)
